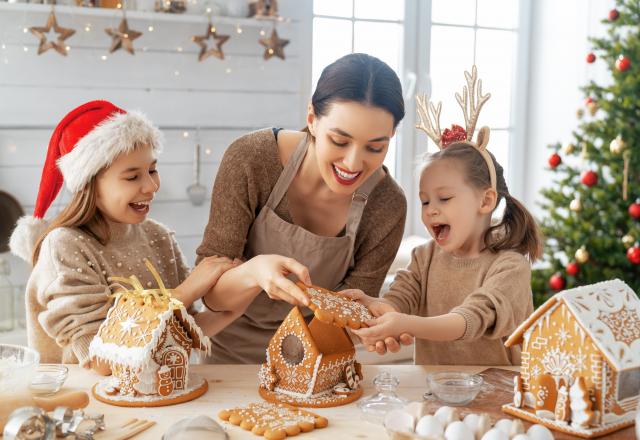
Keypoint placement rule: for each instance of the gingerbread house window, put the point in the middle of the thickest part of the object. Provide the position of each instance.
(628, 383)
(292, 350)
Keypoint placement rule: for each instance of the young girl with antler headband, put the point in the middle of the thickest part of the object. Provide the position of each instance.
(467, 289)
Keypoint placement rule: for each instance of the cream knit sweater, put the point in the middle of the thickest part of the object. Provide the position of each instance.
(67, 295)
(492, 292)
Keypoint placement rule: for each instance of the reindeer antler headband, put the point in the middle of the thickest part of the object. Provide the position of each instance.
(471, 102)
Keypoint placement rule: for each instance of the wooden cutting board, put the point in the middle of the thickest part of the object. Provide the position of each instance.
(498, 390)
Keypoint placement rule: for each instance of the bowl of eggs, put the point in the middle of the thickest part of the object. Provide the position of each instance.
(414, 423)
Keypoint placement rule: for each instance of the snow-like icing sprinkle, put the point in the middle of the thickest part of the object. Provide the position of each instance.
(343, 307)
(273, 415)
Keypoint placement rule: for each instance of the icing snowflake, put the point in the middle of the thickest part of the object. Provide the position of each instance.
(536, 371)
(623, 324)
(128, 325)
(562, 335)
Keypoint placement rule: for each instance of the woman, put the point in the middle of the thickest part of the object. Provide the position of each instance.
(317, 204)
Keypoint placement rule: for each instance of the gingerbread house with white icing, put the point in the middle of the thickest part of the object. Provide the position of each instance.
(310, 365)
(147, 339)
(580, 370)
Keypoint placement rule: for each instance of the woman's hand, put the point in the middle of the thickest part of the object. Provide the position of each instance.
(100, 367)
(270, 273)
(202, 278)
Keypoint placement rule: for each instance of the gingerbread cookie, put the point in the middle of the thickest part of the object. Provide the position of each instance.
(333, 308)
(274, 421)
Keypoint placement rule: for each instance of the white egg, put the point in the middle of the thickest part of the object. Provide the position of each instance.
(539, 432)
(517, 427)
(447, 415)
(399, 420)
(504, 425)
(471, 420)
(495, 434)
(429, 426)
(458, 431)
(521, 437)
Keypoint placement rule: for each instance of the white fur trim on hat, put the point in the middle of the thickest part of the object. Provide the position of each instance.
(23, 238)
(120, 133)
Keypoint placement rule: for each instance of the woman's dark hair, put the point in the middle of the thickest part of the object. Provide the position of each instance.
(361, 78)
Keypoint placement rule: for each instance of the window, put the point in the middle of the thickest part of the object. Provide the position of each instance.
(629, 383)
(374, 27)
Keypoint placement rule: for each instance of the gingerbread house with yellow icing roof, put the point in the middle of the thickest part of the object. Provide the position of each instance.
(580, 370)
(310, 365)
(147, 339)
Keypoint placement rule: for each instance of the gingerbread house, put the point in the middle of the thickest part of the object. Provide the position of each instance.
(310, 365)
(147, 339)
(580, 370)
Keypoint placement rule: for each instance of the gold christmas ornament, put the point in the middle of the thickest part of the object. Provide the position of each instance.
(575, 205)
(273, 46)
(63, 33)
(582, 255)
(618, 145)
(628, 240)
(219, 40)
(579, 113)
(122, 37)
(569, 148)
(593, 108)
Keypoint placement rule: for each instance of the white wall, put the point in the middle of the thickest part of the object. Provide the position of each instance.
(558, 48)
(37, 91)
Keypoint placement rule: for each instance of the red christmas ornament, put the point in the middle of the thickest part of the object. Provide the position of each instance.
(588, 101)
(556, 282)
(554, 160)
(589, 178)
(591, 58)
(634, 209)
(613, 15)
(633, 254)
(623, 63)
(573, 268)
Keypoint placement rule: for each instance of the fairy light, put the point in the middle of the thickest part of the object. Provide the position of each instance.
(179, 49)
(207, 151)
(228, 70)
(68, 48)
(238, 29)
(25, 30)
(150, 28)
(25, 48)
(185, 134)
(4, 46)
(87, 27)
(119, 6)
(12, 148)
(262, 33)
(176, 73)
(103, 58)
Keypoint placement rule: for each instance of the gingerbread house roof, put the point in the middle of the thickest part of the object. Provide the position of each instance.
(133, 329)
(609, 312)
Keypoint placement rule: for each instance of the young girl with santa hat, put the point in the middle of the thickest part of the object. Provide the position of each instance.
(106, 156)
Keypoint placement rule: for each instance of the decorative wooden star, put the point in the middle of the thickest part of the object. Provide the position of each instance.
(201, 40)
(122, 37)
(63, 33)
(273, 45)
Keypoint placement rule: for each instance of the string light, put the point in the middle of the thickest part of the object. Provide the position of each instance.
(262, 33)
(228, 70)
(68, 48)
(25, 30)
(179, 49)
(103, 58)
(150, 28)
(87, 27)
(185, 134)
(26, 49)
(176, 73)
(207, 151)
(4, 46)
(238, 29)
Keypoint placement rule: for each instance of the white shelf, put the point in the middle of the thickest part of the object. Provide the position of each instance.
(142, 15)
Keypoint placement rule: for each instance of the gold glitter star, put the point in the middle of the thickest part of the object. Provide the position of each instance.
(201, 40)
(122, 37)
(63, 33)
(273, 45)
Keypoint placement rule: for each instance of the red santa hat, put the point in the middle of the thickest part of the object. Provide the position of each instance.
(88, 139)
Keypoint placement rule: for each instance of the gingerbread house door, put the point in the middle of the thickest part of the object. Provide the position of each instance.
(176, 359)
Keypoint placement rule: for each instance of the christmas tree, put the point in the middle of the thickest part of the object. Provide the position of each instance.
(592, 211)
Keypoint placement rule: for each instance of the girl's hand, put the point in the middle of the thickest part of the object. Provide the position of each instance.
(202, 278)
(384, 332)
(270, 273)
(376, 306)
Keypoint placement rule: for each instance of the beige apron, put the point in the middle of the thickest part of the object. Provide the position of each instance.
(327, 258)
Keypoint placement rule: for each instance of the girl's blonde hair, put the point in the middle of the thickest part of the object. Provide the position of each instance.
(81, 212)
(518, 229)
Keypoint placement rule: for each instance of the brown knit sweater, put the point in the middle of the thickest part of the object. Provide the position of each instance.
(67, 294)
(247, 174)
(492, 292)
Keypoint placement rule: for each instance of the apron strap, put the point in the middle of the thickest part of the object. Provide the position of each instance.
(288, 173)
(359, 201)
